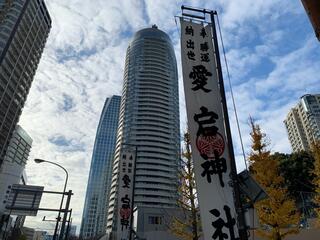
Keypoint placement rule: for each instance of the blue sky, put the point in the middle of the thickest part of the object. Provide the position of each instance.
(273, 59)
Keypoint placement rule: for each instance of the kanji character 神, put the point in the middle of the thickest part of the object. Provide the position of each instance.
(216, 166)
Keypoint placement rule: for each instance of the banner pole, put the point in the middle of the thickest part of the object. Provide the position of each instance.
(239, 209)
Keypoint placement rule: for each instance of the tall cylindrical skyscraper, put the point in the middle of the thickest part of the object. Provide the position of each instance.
(149, 120)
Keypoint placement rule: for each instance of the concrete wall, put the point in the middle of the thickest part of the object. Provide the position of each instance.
(147, 229)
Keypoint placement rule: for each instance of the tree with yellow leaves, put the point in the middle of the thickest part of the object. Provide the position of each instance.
(278, 216)
(316, 181)
(187, 226)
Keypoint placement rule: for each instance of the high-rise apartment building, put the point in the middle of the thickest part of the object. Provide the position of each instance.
(303, 122)
(24, 28)
(96, 202)
(149, 120)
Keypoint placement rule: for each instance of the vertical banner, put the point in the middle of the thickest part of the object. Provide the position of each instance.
(125, 193)
(207, 132)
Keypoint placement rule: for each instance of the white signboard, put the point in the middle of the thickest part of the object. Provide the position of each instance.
(24, 200)
(207, 131)
(125, 193)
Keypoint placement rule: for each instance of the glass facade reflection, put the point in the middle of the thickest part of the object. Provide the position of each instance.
(96, 201)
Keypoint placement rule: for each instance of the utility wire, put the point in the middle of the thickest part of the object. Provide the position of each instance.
(231, 91)
(235, 109)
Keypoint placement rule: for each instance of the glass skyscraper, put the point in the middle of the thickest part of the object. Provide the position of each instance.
(149, 119)
(96, 201)
(24, 28)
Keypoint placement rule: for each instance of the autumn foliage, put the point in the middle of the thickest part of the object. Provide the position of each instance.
(187, 226)
(278, 216)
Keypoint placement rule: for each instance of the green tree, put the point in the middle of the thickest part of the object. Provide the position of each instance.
(187, 226)
(316, 181)
(297, 170)
(277, 214)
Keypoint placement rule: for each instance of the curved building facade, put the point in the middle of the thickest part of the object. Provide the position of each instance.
(149, 119)
(96, 202)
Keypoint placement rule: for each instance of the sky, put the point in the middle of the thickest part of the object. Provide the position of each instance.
(271, 51)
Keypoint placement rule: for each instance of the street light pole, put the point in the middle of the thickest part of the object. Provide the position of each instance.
(69, 225)
(65, 214)
(37, 160)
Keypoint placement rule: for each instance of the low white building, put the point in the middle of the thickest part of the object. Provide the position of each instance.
(12, 172)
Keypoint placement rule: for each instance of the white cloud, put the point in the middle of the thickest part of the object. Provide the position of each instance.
(294, 71)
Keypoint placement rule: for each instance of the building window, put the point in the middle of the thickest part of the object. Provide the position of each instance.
(156, 220)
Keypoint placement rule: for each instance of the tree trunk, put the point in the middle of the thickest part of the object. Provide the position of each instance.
(194, 216)
(276, 233)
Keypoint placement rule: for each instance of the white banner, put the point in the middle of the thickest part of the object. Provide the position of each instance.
(207, 132)
(125, 192)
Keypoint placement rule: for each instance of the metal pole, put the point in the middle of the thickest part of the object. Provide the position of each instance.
(68, 227)
(239, 209)
(64, 220)
(61, 203)
(64, 190)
